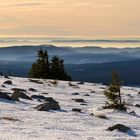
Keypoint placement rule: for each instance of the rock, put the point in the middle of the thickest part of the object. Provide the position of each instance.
(102, 88)
(133, 112)
(9, 82)
(39, 97)
(6, 76)
(32, 89)
(101, 116)
(21, 93)
(48, 106)
(3, 86)
(75, 93)
(92, 92)
(83, 104)
(79, 100)
(45, 93)
(24, 96)
(35, 81)
(80, 83)
(15, 96)
(119, 127)
(19, 89)
(76, 110)
(4, 95)
(86, 95)
(50, 99)
(70, 84)
(91, 114)
(39, 100)
(137, 105)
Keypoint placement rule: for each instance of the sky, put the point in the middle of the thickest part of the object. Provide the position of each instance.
(75, 18)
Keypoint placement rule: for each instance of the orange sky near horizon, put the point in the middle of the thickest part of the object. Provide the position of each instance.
(85, 18)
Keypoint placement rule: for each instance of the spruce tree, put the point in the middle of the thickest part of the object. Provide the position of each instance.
(40, 69)
(45, 70)
(113, 94)
(57, 69)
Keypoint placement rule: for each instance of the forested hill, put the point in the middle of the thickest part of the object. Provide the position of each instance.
(129, 71)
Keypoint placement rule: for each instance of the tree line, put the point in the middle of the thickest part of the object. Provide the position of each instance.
(44, 69)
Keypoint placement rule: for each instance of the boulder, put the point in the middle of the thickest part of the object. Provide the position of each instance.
(32, 89)
(21, 93)
(81, 83)
(35, 81)
(133, 112)
(4, 95)
(19, 89)
(137, 105)
(3, 86)
(76, 93)
(45, 93)
(48, 106)
(92, 92)
(76, 110)
(119, 127)
(39, 97)
(79, 100)
(91, 114)
(24, 96)
(101, 116)
(6, 76)
(83, 104)
(15, 96)
(50, 99)
(9, 82)
(86, 95)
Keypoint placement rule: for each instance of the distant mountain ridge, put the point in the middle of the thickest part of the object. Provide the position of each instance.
(77, 55)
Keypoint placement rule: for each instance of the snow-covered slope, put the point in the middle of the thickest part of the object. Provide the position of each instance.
(65, 124)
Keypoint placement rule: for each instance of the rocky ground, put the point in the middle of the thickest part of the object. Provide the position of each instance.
(32, 109)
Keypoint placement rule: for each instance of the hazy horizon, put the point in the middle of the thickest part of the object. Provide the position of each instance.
(71, 42)
(87, 19)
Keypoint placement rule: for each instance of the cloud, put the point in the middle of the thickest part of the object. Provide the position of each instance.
(104, 5)
(19, 4)
(27, 4)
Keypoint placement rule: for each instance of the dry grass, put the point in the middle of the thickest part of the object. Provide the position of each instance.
(9, 119)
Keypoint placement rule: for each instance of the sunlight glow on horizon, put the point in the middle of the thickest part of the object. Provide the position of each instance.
(75, 18)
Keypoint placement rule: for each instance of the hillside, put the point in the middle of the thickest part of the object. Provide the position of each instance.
(129, 71)
(19, 120)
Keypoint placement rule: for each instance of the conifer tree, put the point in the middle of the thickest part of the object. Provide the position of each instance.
(40, 68)
(113, 94)
(57, 69)
(45, 70)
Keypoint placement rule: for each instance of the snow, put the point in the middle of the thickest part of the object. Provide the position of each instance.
(65, 124)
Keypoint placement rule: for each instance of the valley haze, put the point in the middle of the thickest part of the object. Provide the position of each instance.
(89, 63)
